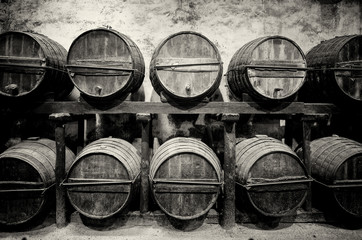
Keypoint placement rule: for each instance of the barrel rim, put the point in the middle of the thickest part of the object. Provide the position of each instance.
(261, 40)
(336, 52)
(122, 206)
(76, 161)
(43, 197)
(80, 156)
(285, 213)
(121, 36)
(42, 77)
(268, 151)
(335, 191)
(167, 90)
(218, 174)
(258, 42)
(189, 141)
(264, 39)
(209, 206)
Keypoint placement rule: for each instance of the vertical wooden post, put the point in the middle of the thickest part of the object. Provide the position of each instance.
(306, 153)
(228, 212)
(288, 134)
(145, 161)
(60, 207)
(81, 130)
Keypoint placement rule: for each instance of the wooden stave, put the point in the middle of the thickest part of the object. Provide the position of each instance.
(55, 56)
(40, 154)
(322, 57)
(342, 151)
(238, 81)
(136, 78)
(95, 148)
(249, 152)
(184, 143)
(160, 88)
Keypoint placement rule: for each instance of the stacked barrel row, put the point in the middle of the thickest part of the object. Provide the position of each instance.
(105, 66)
(185, 175)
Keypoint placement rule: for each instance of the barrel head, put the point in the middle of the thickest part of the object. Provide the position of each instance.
(101, 62)
(186, 66)
(22, 63)
(21, 204)
(183, 198)
(98, 201)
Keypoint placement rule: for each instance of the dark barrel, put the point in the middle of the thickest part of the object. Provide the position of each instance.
(270, 176)
(102, 179)
(27, 172)
(185, 67)
(32, 64)
(337, 165)
(105, 65)
(267, 68)
(185, 177)
(337, 69)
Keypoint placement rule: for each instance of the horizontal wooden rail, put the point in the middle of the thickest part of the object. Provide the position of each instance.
(78, 108)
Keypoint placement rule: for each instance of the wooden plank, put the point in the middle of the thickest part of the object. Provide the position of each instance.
(228, 214)
(145, 161)
(185, 188)
(61, 220)
(166, 108)
(79, 108)
(307, 161)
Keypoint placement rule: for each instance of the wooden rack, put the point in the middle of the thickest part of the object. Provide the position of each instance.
(63, 112)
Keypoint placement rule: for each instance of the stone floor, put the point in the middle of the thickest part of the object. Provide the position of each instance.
(150, 227)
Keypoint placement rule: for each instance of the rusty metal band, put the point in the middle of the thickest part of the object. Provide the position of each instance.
(187, 65)
(335, 186)
(97, 182)
(42, 190)
(180, 181)
(252, 185)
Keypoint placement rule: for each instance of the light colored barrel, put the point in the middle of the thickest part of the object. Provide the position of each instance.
(185, 177)
(267, 68)
(102, 179)
(273, 176)
(105, 65)
(27, 171)
(186, 66)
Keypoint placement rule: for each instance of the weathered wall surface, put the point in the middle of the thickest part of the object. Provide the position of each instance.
(229, 24)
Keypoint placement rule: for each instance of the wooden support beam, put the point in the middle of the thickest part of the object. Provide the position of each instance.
(307, 125)
(81, 131)
(145, 120)
(60, 193)
(228, 211)
(288, 134)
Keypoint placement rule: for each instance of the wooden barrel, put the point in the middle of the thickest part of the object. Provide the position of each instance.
(101, 181)
(271, 175)
(105, 65)
(185, 177)
(185, 67)
(31, 64)
(337, 69)
(267, 68)
(27, 172)
(337, 164)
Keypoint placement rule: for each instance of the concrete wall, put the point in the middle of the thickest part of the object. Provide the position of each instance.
(229, 24)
